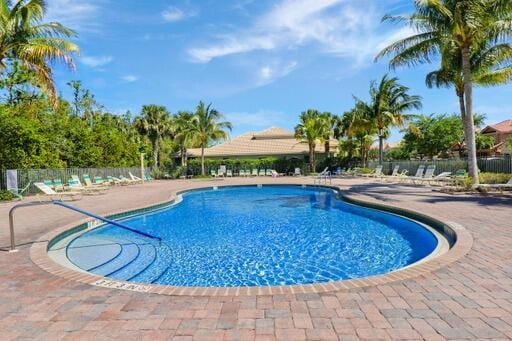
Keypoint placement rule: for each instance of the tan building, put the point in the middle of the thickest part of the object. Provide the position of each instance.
(500, 132)
(273, 141)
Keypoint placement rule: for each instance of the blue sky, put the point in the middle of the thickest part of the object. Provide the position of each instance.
(259, 62)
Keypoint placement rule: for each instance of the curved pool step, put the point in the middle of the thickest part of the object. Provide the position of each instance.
(145, 258)
(155, 270)
(105, 250)
(129, 252)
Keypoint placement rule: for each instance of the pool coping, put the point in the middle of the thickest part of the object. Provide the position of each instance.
(461, 243)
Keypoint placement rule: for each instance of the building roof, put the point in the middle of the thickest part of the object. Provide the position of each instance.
(271, 141)
(502, 127)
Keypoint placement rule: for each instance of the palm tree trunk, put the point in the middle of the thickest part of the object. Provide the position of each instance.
(462, 106)
(381, 149)
(156, 151)
(312, 147)
(470, 125)
(202, 161)
(350, 147)
(327, 148)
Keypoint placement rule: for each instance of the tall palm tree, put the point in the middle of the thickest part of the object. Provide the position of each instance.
(207, 127)
(491, 65)
(155, 123)
(311, 129)
(389, 102)
(24, 37)
(350, 122)
(183, 122)
(330, 122)
(443, 26)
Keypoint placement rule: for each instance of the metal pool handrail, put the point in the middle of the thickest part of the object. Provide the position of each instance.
(70, 207)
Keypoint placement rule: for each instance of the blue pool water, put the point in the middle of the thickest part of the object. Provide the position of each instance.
(251, 236)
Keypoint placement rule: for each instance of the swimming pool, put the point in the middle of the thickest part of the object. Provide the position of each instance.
(254, 236)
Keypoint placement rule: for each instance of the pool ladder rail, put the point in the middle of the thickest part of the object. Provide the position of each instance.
(60, 203)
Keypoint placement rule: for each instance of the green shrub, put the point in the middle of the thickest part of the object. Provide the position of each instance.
(5, 195)
(494, 178)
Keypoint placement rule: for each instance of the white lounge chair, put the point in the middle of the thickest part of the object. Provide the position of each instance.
(274, 173)
(220, 173)
(134, 178)
(49, 192)
(323, 175)
(377, 173)
(419, 173)
(297, 172)
(442, 178)
(229, 173)
(396, 175)
(499, 187)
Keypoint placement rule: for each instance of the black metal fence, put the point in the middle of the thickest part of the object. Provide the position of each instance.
(26, 176)
(490, 165)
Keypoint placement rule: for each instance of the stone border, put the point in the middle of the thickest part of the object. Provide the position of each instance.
(461, 244)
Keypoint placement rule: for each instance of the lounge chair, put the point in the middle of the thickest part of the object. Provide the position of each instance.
(427, 176)
(18, 192)
(324, 175)
(127, 180)
(75, 185)
(212, 173)
(241, 172)
(297, 172)
(261, 172)
(396, 175)
(499, 187)
(58, 186)
(418, 175)
(376, 173)
(134, 178)
(49, 192)
(229, 173)
(220, 172)
(90, 184)
(442, 178)
(269, 172)
(274, 173)
(254, 172)
(117, 181)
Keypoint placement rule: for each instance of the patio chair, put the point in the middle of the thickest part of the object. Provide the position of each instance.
(74, 184)
(297, 172)
(18, 192)
(49, 192)
(261, 172)
(376, 173)
(254, 172)
(442, 178)
(396, 175)
(269, 172)
(323, 175)
(229, 173)
(134, 178)
(58, 186)
(274, 173)
(241, 172)
(212, 173)
(429, 175)
(220, 172)
(419, 173)
(499, 187)
(90, 184)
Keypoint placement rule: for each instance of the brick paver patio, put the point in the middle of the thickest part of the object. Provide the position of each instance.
(468, 299)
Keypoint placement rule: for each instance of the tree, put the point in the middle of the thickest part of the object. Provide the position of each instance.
(453, 28)
(432, 135)
(183, 122)
(207, 127)
(155, 123)
(389, 102)
(311, 129)
(24, 37)
(330, 122)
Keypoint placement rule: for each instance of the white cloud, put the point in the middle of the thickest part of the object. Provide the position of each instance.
(77, 14)
(96, 61)
(130, 78)
(174, 14)
(270, 72)
(340, 27)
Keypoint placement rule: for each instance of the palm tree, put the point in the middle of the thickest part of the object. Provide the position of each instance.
(311, 129)
(24, 37)
(330, 124)
(387, 108)
(491, 65)
(183, 122)
(457, 28)
(155, 123)
(207, 128)
(349, 124)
